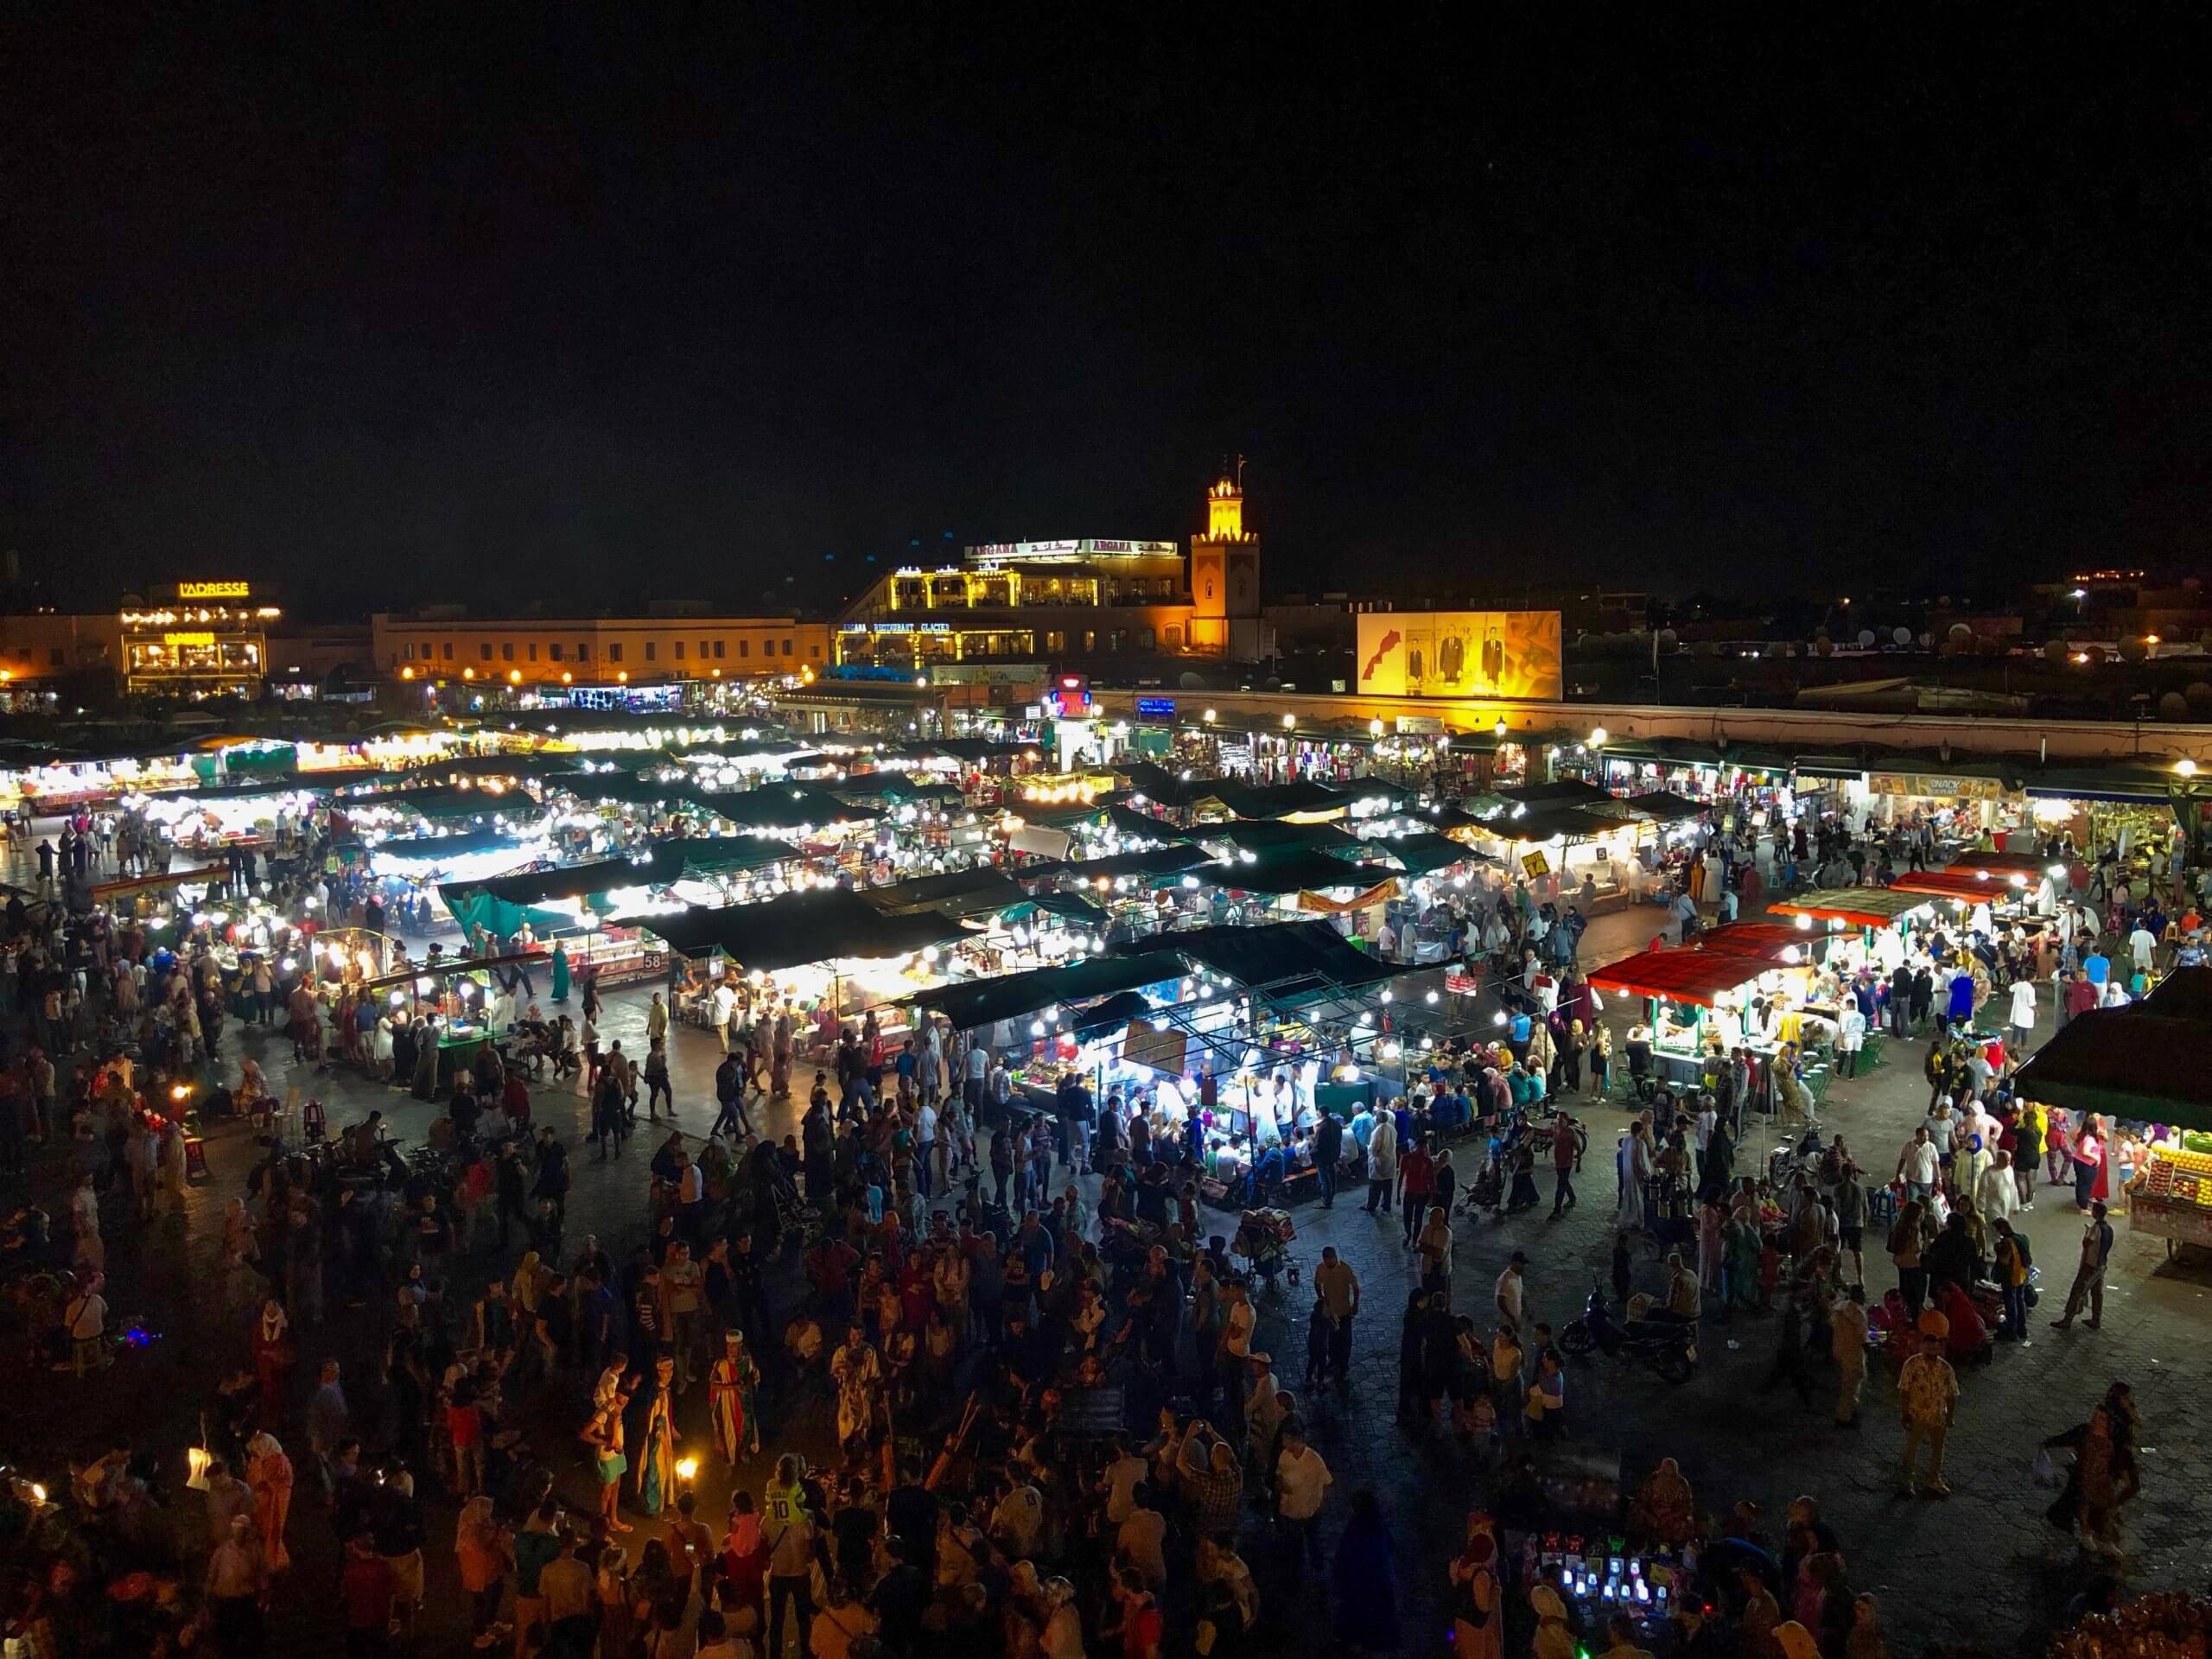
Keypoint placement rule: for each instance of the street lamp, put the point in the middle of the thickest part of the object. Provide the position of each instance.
(2185, 766)
(1498, 727)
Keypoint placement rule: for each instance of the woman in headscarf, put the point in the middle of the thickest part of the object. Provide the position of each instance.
(269, 1471)
(273, 1357)
(1716, 1165)
(560, 971)
(1477, 1615)
(656, 1442)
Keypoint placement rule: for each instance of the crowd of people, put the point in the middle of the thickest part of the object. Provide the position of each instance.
(961, 1308)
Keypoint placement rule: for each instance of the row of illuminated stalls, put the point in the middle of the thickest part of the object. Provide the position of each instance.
(1763, 988)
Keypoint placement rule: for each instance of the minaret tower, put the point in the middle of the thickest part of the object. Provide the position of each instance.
(1225, 573)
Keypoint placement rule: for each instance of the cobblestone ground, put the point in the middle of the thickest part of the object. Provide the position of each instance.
(1982, 1563)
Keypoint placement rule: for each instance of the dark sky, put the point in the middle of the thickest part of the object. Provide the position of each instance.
(663, 300)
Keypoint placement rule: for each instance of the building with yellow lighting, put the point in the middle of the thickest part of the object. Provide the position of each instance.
(1068, 602)
(210, 638)
(448, 643)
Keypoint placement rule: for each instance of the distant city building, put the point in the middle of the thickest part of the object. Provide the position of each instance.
(535, 652)
(1068, 601)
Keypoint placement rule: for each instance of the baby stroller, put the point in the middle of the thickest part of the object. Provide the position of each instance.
(795, 1216)
(532, 1045)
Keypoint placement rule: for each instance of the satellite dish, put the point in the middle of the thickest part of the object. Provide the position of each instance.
(1927, 640)
(1865, 638)
(1192, 683)
(1903, 636)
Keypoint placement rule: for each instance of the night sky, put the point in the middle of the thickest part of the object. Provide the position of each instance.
(584, 304)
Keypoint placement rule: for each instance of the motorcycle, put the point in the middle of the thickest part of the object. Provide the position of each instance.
(1668, 1346)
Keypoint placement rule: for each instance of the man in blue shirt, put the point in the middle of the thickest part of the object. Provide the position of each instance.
(2098, 967)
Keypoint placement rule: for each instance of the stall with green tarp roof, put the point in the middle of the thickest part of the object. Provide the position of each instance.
(798, 928)
(783, 806)
(1424, 851)
(980, 892)
(477, 909)
(1266, 835)
(1132, 823)
(438, 801)
(627, 789)
(971, 1003)
(1158, 863)
(1298, 869)
(2135, 1062)
(1297, 958)
(1270, 800)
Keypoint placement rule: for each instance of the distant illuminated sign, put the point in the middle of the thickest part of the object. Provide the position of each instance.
(896, 627)
(1156, 707)
(188, 639)
(1018, 552)
(214, 590)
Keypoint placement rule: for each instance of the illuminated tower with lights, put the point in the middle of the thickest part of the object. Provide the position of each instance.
(1225, 573)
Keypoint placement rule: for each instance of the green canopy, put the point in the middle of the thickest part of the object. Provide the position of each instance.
(973, 1002)
(726, 854)
(1423, 850)
(1073, 906)
(2131, 1061)
(1265, 834)
(474, 909)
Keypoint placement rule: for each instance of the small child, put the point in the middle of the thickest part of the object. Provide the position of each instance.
(1317, 1329)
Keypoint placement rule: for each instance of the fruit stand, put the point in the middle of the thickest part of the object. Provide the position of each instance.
(2171, 1198)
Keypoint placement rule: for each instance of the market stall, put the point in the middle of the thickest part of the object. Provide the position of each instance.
(831, 953)
(1704, 1004)
(1981, 899)
(2141, 1067)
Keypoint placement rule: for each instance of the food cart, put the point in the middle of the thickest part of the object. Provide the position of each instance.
(1878, 914)
(1701, 1004)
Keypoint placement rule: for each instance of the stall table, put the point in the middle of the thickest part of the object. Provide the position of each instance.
(2172, 1199)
